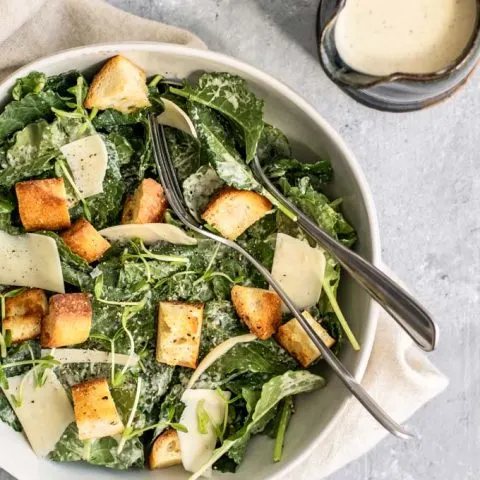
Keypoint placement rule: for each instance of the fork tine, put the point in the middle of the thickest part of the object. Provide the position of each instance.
(168, 175)
(158, 156)
(162, 161)
(169, 163)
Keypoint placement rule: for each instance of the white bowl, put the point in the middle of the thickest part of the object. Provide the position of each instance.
(311, 137)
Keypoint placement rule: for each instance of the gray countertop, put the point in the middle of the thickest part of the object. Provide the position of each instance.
(424, 172)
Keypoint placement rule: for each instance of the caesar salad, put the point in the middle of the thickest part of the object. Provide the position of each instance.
(127, 341)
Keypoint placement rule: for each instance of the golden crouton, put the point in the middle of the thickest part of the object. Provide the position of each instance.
(68, 321)
(232, 211)
(120, 84)
(147, 205)
(32, 302)
(95, 411)
(178, 334)
(43, 204)
(23, 314)
(84, 240)
(293, 338)
(165, 451)
(260, 310)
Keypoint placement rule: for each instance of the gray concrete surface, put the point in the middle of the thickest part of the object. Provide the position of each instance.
(424, 171)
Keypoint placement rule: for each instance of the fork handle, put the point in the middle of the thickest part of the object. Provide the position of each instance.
(404, 309)
(401, 306)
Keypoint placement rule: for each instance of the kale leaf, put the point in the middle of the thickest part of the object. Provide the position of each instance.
(109, 120)
(33, 106)
(199, 187)
(318, 207)
(273, 145)
(229, 95)
(319, 173)
(184, 151)
(29, 155)
(122, 146)
(7, 206)
(220, 322)
(34, 82)
(103, 452)
(259, 356)
(63, 82)
(7, 414)
(220, 151)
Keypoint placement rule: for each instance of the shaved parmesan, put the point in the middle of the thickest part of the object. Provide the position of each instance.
(45, 411)
(78, 355)
(173, 116)
(87, 159)
(150, 233)
(216, 353)
(30, 260)
(196, 447)
(299, 269)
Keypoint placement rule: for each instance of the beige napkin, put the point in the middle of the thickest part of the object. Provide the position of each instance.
(30, 29)
(399, 376)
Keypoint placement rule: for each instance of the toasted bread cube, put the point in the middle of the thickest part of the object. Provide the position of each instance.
(165, 451)
(26, 327)
(147, 205)
(259, 309)
(43, 204)
(68, 321)
(232, 211)
(95, 411)
(85, 241)
(120, 84)
(293, 338)
(30, 302)
(23, 314)
(178, 333)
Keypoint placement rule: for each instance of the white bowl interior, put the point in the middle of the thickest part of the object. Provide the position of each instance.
(311, 138)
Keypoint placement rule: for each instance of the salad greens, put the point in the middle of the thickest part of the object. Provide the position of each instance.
(229, 95)
(290, 383)
(128, 282)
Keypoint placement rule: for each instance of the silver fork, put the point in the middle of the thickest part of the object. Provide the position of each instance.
(403, 308)
(173, 191)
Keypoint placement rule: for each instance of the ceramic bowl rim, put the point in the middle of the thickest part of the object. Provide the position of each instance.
(285, 91)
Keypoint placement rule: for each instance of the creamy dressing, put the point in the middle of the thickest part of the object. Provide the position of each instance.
(381, 37)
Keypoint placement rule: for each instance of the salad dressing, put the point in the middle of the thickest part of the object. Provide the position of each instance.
(381, 37)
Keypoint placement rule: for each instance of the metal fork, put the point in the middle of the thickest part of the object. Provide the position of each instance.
(173, 191)
(403, 308)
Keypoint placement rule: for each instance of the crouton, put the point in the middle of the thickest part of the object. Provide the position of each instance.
(32, 301)
(260, 310)
(178, 334)
(23, 314)
(95, 412)
(232, 211)
(68, 321)
(293, 338)
(26, 327)
(165, 451)
(85, 241)
(43, 204)
(147, 205)
(120, 84)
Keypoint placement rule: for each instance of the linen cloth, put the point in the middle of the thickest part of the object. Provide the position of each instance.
(399, 376)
